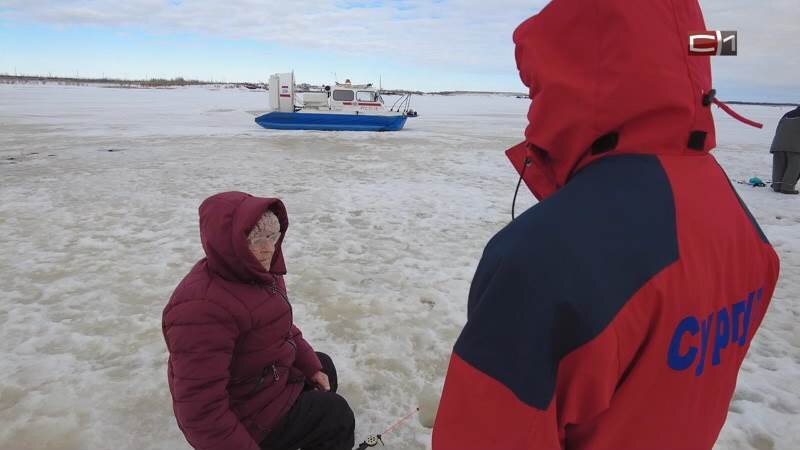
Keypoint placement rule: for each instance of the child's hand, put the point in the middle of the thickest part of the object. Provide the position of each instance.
(321, 380)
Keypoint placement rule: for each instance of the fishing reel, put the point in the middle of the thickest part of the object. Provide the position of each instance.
(371, 441)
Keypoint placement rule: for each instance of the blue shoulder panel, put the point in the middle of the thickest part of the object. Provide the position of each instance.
(554, 279)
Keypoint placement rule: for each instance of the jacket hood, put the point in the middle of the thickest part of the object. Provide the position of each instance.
(225, 221)
(609, 77)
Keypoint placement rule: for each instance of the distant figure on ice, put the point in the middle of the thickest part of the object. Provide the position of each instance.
(241, 375)
(615, 313)
(786, 153)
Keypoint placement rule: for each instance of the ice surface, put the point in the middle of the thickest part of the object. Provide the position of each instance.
(99, 189)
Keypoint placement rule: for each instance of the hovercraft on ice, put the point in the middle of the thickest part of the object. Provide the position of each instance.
(343, 107)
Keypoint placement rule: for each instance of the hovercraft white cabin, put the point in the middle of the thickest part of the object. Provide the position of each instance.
(343, 107)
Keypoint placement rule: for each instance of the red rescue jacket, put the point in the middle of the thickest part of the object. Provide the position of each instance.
(615, 313)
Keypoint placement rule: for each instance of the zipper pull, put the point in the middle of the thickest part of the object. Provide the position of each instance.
(275, 375)
(260, 381)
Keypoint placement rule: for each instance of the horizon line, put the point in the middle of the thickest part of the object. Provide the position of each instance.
(180, 81)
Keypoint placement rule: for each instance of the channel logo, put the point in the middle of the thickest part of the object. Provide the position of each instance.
(713, 43)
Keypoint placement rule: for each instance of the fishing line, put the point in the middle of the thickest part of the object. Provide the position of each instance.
(373, 439)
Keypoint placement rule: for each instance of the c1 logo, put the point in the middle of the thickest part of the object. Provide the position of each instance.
(713, 43)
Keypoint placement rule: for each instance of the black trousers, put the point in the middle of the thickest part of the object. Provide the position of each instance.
(318, 420)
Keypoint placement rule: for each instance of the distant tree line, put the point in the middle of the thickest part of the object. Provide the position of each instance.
(301, 87)
(152, 82)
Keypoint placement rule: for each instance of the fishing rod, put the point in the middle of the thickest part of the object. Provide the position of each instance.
(373, 439)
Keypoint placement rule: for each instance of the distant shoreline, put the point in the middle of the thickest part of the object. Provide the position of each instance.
(181, 82)
(153, 82)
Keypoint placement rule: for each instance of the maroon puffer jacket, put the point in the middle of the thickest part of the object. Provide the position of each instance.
(237, 363)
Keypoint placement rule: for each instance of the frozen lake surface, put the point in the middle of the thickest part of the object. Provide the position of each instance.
(99, 189)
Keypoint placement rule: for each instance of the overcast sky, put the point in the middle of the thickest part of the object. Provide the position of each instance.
(412, 44)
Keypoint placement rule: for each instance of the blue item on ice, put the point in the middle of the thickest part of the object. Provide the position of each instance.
(757, 182)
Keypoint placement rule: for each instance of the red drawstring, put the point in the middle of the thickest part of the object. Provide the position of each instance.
(736, 115)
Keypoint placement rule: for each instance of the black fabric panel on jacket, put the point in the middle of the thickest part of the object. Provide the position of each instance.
(605, 143)
(556, 277)
(697, 140)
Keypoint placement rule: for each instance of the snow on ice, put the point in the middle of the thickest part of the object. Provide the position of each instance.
(98, 218)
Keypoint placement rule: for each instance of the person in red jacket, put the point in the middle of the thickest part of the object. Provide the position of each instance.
(615, 313)
(240, 373)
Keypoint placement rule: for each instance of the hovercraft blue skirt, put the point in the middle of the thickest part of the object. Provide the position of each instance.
(330, 122)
